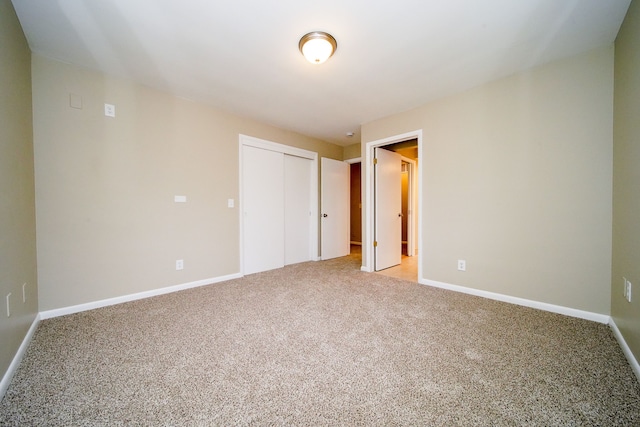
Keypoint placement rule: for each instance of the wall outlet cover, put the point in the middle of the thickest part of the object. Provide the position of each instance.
(109, 110)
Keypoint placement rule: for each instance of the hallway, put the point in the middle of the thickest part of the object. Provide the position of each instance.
(407, 270)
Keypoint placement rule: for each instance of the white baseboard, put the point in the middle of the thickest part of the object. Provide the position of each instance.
(6, 379)
(601, 318)
(625, 349)
(132, 297)
(596, 317)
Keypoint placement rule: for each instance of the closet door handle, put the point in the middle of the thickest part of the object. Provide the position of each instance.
(324, 215)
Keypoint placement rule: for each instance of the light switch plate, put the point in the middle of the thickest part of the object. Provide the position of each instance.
(109, 110)
(180, 199)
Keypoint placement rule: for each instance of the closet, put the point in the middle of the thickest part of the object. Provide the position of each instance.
(279, 205)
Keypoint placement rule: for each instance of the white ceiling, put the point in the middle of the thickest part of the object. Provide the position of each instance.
(242, 55)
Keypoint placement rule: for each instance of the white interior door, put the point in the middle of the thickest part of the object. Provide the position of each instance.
(297, 211)
(388, 209)
(335, 215)
(263, 209)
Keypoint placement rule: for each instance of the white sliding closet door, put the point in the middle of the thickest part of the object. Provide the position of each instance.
(297, 209)
(263, 209)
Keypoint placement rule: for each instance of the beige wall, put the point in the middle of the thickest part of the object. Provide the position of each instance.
(517, 178)
(626, 180)
(107, 222)
(351, 151)
(17, 209)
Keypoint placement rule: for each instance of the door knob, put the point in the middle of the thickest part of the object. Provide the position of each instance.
(324, 215)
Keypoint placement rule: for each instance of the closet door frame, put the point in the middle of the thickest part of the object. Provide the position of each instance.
(245, 140)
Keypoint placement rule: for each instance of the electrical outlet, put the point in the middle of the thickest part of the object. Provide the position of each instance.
(628, 287)
(462, 265)
(179, 264)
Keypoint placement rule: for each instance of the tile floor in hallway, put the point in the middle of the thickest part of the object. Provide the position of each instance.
(407, 270)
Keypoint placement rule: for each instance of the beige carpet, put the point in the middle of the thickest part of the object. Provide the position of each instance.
(321, 344)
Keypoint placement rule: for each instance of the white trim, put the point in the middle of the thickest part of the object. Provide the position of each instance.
(240, 206)
(11, 370)
(354, 160)
(567, 311)
(279, 148)
(635, 367)
(367, 243)
(245, 140)
(133, 297)
(8, 376)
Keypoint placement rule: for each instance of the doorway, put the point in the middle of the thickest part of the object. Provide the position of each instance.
(407, 269)
(409, 145)
(335, 208)
(394, 210)
(355, 204)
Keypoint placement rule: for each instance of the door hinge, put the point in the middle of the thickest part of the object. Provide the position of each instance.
(375, 244)
(375, 161)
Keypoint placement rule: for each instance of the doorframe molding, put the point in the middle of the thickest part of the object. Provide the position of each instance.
(246, 140)
(369, 225)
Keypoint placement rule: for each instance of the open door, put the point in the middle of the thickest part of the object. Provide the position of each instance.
(388, 209)
(335, 216)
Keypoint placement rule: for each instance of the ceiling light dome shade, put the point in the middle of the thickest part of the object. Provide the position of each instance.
(317, 46)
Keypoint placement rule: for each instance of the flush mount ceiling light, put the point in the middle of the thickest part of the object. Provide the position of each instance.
(317, 46)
